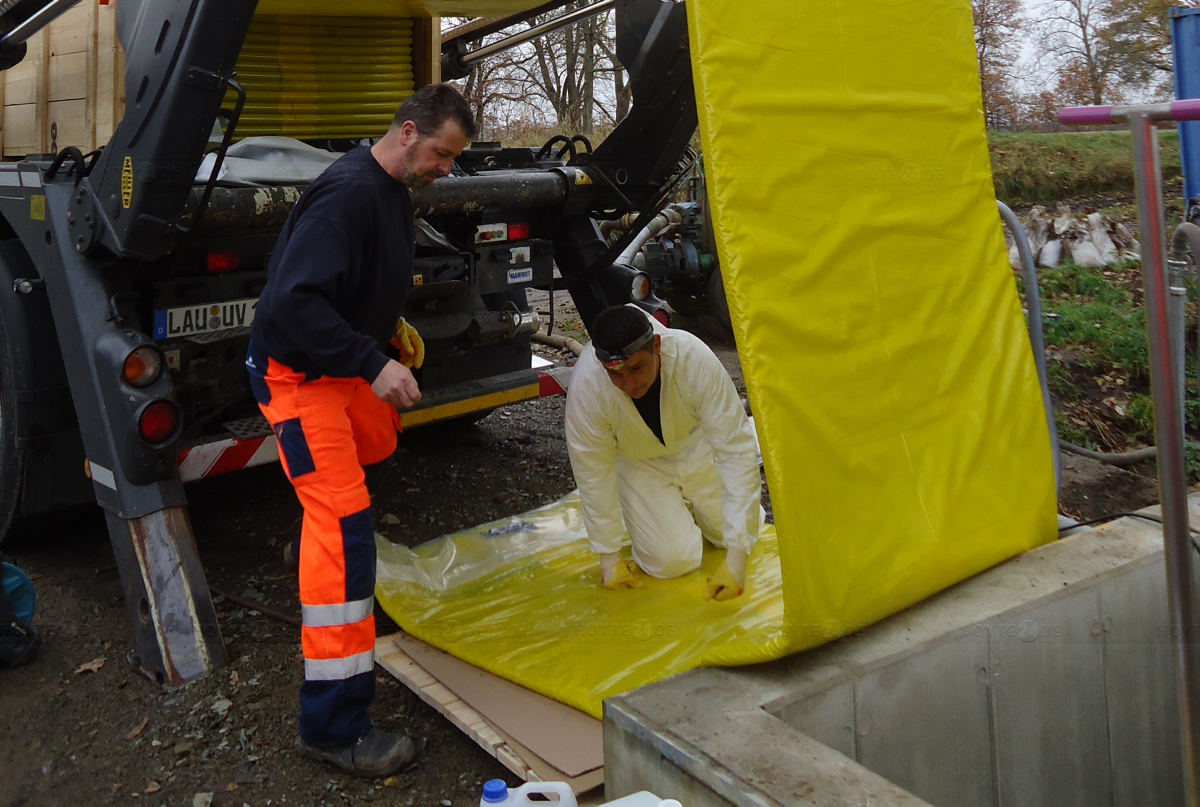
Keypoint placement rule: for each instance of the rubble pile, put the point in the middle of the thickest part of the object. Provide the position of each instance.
(1092, 241)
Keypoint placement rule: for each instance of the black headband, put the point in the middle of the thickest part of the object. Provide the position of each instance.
(615, 360)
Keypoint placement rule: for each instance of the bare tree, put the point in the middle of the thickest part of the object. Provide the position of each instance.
(1071, 31)
(569, 75)
(998, 28)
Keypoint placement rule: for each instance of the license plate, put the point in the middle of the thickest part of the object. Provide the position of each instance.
(194, 320)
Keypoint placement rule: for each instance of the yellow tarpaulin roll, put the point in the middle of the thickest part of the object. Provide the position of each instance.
(521, 598)
(876, 315)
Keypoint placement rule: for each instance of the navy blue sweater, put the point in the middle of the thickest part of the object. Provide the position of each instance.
(337, 277)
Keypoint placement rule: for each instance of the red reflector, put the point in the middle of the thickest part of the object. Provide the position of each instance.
(662, 316)
(219, 262)
(518, 231)
(158, 421)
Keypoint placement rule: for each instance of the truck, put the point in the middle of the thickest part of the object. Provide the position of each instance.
(128, 275)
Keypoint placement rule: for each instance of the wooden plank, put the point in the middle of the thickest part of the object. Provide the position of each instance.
(566, 738)
(71, 31)
(110, 75)
(41, 96)
(542, 771)
(20, 130)
(512, 760)
(462, 716)
(90, 76)
(400, 665)
(509, 752)
(68, 76)
(20, 82)
(67, 125)
(441, 696)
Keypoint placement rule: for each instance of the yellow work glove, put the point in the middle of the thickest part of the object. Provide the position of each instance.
(616, 573)
(409, 343)
(729, 580)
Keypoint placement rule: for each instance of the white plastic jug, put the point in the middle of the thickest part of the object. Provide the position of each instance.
(643, 798)
(498, 794)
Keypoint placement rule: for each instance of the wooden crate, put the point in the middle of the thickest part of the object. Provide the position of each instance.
(69, 90)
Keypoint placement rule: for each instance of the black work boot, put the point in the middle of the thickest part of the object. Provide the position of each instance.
(375, 754)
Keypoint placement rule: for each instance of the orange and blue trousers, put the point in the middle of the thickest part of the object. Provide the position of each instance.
(328, 430)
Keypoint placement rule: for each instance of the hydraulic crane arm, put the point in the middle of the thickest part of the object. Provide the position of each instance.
(21, 19)
(179, 62)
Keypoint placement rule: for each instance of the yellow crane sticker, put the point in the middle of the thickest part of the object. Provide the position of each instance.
(37, 207)
(127, 182)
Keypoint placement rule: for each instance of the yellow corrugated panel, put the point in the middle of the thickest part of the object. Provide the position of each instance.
(398, 8)
(314, 77)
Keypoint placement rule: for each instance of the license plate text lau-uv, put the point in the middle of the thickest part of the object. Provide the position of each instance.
(210, 318)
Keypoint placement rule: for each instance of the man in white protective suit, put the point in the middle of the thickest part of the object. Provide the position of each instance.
(654, 424)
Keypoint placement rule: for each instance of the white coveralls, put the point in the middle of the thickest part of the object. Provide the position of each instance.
(709, 459)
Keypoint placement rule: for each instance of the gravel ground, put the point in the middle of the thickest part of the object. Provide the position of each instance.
(80, 726)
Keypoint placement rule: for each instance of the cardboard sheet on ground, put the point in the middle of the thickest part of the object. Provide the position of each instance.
(876, 316)
(521, 598)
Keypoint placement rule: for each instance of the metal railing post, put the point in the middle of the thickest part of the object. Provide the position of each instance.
(1168, 424)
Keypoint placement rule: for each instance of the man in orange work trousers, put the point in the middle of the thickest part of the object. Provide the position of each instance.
(332, 302)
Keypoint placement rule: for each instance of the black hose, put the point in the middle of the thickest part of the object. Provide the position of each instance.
(1120, 460)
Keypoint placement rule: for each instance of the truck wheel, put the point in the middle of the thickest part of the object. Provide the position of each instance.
(10, 457)
(716, 299)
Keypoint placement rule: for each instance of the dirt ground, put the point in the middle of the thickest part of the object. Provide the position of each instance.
(80, 726)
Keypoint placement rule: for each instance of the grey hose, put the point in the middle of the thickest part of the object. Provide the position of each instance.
(1120, 460)
(559, 341)
(1187, 238)
(1034, 325)
(667, 217)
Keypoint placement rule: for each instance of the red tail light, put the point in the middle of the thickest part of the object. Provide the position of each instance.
(221, 262)
(662, 316)
(158, 421)
(518, 231)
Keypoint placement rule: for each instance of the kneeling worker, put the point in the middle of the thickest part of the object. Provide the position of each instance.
(654, 423)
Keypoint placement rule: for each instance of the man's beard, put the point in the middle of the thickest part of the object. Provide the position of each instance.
(414, 181)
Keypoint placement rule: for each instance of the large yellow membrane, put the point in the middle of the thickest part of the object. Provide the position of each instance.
(884, 351)
(876, 316)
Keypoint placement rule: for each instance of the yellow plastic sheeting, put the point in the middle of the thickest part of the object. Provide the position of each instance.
(398, 8)
(875, 313)
(521, 598)
(323, 77)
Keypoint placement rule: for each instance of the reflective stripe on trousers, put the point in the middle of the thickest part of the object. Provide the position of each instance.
(328, 429)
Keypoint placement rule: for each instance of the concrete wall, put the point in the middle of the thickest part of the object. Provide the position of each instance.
(1046, 680)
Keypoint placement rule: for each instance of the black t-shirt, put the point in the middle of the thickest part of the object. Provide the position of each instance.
(336, 281)
(649, 408)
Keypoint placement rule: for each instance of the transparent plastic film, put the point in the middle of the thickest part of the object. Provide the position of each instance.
(876, 316)
(521, 598)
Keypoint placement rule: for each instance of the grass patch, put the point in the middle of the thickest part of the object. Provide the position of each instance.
(1095, 315)
(1030, 168)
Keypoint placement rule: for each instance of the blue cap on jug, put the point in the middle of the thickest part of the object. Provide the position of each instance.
(495, 791)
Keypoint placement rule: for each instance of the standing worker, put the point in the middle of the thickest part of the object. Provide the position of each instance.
(653, 423)
(332, 302)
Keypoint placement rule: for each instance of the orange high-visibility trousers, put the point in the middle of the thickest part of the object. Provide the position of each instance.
(328, 429)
